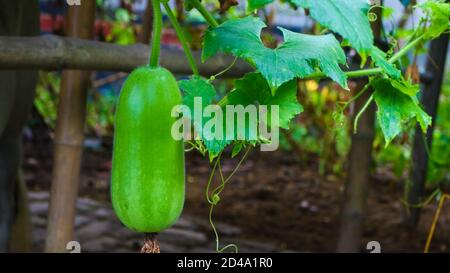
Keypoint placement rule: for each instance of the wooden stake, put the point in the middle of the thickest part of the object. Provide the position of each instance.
(357, 186)
(69, 137)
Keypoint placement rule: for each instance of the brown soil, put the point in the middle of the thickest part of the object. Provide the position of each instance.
(271, 198)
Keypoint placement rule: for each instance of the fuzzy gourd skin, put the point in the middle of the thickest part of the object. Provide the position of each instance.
(148, 176)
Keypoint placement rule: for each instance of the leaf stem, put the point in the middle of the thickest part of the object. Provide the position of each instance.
(363, 72)
(371, 71)
(225, 70)
(181, 37)
(405, 49)
(350, 74)
(204, 12)
(223, 101)
(156, 34)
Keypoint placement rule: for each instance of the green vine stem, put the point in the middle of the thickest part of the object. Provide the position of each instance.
(213, 198)
(355, 97)
(372, 71)
(204, 12)
(350, 74)
(208, 185)
(212, 78)
(156, 34)
(221, 187)
(181, 37)
(406, 49)
(363, 109)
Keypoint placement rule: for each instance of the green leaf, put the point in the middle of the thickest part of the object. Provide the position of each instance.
(395, 108)
(406, 87)
(379, 57)
(256, 4)
(200, 88)
(253, 89)
(349, 18)
(299, 55)
(237, 148)
(439, 12)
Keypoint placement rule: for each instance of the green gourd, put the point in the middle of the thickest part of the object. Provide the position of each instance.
(148, 176)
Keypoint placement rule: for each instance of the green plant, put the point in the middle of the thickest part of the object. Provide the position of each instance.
(46, 101)
(100, 113)
(300, 56)
(100, 107)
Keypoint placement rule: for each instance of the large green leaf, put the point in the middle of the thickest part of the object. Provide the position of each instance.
(395, 108)
(253, 89)
(197, 87)
(256, 4)
(439, 13)
(346, 17)
(299, 55)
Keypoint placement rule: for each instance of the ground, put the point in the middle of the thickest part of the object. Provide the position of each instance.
(271, 204)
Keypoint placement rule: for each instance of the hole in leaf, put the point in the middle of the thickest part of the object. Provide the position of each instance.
(271, 37)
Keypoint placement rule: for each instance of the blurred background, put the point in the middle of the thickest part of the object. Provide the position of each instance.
(287, 200)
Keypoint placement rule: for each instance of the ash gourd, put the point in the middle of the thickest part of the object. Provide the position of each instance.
(148, 173)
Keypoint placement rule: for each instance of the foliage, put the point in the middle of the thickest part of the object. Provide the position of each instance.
(398, 154)
(346, 17)
(438, 17)
(396, 107)
(251, 89)
(46, 101)
(304, 56)
(296, 57)
(322, 133)
(100, 107)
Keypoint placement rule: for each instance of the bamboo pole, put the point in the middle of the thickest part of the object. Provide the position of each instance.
(69, 137)
(50, 52)
(147, 24)
(415, 188)
(354, 208)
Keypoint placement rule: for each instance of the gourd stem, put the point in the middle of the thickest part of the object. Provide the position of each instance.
(181, 37)
(204, 12)
(150, 244)
(156, 34)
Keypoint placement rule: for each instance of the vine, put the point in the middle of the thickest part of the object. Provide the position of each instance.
(213, 197)
(156, 34)
(181, 37)
(300, 56)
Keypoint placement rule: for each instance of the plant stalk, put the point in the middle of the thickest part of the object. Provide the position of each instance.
(405, 49)
(204, 12)
(181, 37)
(156, 34)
